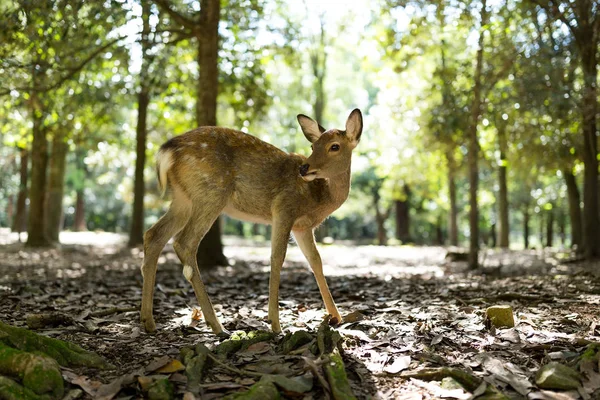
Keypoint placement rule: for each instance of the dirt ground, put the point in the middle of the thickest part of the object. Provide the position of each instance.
(408, 308)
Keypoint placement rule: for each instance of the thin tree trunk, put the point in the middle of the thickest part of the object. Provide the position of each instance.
(550, 228)
(562, 229)
(541, 232)
(79, 224)
(574, 208)
(136, 233)
(590, 153)
(526, 227)
(403, 217)
(10, 209)
(439, 231)
(36, 225)
(19, 222)
(473, 147)
(453, 217)
(503, 192)
(56, 186)
(210, 251)
(380, 220)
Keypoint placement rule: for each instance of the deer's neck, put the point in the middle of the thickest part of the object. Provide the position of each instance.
(338, 188)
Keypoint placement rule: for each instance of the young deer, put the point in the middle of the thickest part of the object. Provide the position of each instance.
(216, 170)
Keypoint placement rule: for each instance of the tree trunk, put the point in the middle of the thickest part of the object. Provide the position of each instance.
(79, 224)
(403, 217)
(526, 227)
(136, 233)
(10, 209)
(318, 59)
(381, 234)
(36, 225)
(473, 147)
(379, 220)
(503, 192)
(56, 186)
(493, 236)
(574, 208)
(19, 222)
(453, 217)
(210, 250)
(550, 228)
(590, 152)
(562, 229)
(541, 215)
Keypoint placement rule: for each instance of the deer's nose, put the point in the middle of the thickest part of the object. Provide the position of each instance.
(304, 169)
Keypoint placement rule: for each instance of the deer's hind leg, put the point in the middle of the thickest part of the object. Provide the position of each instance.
(155, 240)
(186, 244)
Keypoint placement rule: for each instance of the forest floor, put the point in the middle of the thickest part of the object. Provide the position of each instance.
(409, 308)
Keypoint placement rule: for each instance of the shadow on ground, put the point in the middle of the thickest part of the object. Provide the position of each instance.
(408, 308)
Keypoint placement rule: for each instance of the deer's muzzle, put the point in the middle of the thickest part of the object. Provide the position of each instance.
(304, 169)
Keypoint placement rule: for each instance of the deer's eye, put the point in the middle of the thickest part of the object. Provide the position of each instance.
(334, 147)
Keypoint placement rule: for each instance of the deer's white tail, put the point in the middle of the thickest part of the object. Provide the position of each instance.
(164, 161)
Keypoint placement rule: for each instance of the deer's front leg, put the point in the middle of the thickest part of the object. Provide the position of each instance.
(306, 242)
(279, 240)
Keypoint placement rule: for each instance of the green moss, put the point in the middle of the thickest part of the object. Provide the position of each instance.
(38, 373)
(11, 390)
(161, 389)
(338, 380)
(241, 340)
(261, 390)
(65, 353)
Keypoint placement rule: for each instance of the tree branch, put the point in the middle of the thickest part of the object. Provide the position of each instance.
(182, 20)
(71, 72)
(552, 9)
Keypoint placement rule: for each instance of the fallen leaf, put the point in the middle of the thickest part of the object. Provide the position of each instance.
(400, 363)
(172, 366)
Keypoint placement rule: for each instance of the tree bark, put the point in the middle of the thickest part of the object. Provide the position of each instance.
(136, 233)
(453, 217)
(380, 218)
(20, 220)
(403, 217)
(36, 225)
(473, 147)
(550, 228)
(79, 224)
(504, 228)
(318, 60)
(210, 250)
(590, 152)
(10, 209)
(526, 227)
(56, 186)
(541, 232)
(574, 208)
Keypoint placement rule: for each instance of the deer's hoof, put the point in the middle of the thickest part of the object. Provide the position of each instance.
(335, 320)
(149, 325)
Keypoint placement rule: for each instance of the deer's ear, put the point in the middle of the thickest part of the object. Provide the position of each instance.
(311, 129)
(354, 126)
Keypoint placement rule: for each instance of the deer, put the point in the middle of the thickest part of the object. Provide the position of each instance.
(214, 170)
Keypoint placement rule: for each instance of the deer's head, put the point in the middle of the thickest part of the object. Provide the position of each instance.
(331, 149)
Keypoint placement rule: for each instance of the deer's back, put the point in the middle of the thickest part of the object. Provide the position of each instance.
(246, 171)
